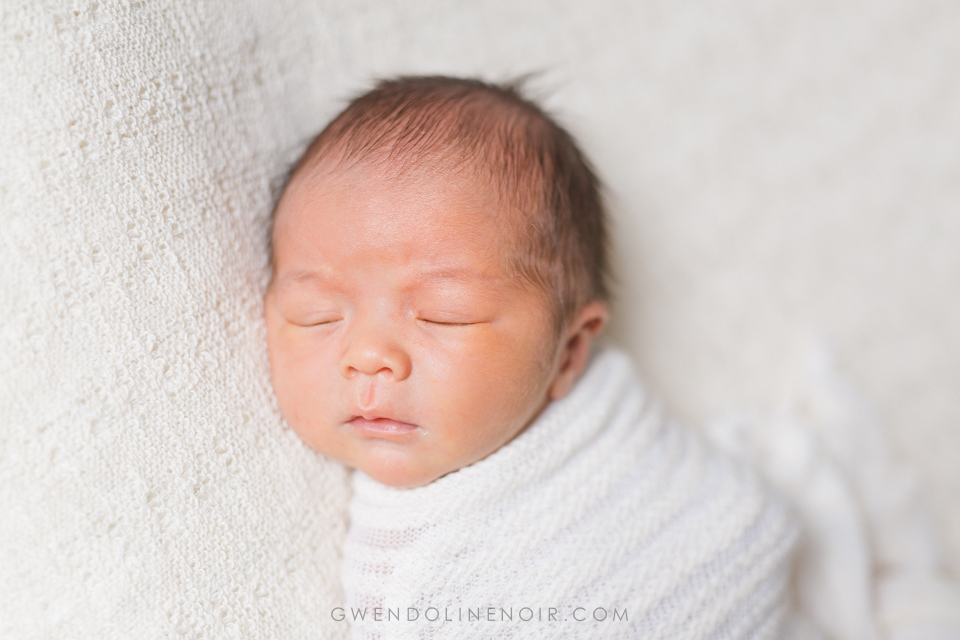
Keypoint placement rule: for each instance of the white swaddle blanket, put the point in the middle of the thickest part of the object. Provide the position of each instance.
(602, 519)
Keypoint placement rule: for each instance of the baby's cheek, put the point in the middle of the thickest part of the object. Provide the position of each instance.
(300, 383)
(514, 371)
(482, 401)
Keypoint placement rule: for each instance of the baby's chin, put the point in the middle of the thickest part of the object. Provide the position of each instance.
(391, 465)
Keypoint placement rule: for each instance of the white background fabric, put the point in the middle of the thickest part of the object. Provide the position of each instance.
(775, 169)
(147, 486)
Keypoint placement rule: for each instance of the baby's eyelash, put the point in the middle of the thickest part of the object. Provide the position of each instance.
(318, 324)
(448, 324)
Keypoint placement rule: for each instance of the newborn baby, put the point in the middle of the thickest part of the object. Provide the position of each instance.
(439, 279)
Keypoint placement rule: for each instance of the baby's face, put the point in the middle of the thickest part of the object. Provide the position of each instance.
(400, 344)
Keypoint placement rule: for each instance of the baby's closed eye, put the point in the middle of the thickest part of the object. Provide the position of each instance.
(317, 321)
(446, 323)
(451, 318)
(309, 316)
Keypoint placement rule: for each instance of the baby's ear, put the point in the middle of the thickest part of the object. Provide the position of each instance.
(575, 348)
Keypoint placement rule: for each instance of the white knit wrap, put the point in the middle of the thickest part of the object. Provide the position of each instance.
(601, 504)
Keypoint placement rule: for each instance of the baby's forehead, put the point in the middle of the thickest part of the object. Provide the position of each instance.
(445, 205)
(416, 230)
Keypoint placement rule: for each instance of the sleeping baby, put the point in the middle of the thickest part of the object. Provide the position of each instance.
(439, 282)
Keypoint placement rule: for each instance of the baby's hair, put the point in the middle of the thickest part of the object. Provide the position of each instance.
(543, 180)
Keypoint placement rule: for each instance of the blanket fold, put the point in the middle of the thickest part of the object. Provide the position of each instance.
(602, 519)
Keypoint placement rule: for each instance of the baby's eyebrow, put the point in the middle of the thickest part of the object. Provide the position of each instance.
(303, 275)
(465, 274)
(433, 275)
(450, 273)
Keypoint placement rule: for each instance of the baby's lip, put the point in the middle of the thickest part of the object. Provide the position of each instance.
(373, 426)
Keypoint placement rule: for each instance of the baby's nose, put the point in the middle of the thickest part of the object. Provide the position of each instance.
(373, 357)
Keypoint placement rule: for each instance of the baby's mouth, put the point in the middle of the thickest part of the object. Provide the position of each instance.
(375, 427)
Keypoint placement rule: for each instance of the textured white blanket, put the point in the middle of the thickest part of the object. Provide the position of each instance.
(602, 519)
(148, 486)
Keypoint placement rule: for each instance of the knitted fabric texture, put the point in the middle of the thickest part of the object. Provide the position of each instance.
(602, 519)
(148, 486)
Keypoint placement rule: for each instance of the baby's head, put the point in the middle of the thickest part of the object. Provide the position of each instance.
(439, 264)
